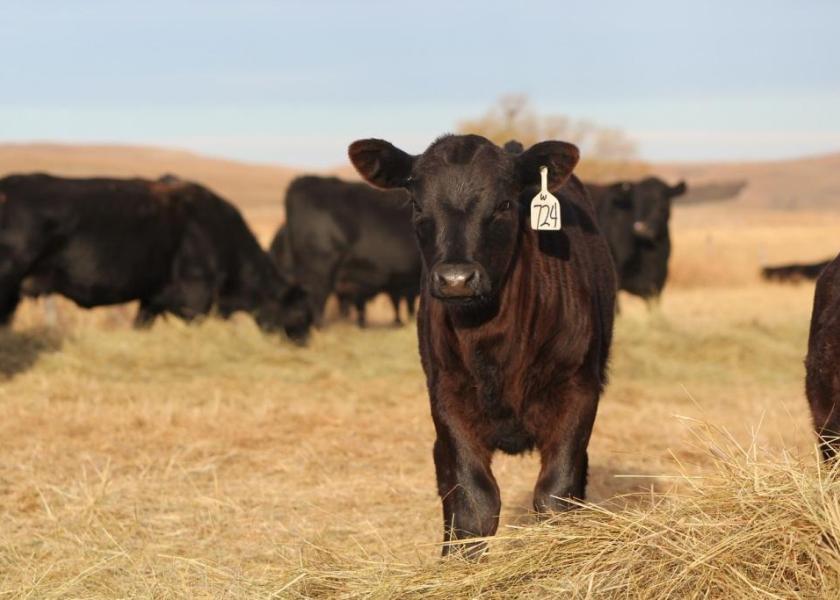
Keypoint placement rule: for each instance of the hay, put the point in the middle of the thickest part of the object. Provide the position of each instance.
(752, 527)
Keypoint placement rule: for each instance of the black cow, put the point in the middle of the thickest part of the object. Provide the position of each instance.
(634, 217)
(822, 383)
(176, 247)
(794, 273)
(351, 239)
(357, 283)
(514, 325)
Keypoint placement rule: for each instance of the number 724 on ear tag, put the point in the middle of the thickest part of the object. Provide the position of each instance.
(545, 208)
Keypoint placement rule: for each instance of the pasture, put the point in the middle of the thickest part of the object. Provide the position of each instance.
(213, 461)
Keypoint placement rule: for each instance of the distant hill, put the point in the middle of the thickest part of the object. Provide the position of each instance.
(802, 184)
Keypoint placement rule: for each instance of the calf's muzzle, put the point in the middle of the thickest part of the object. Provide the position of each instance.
(458, 280)
(643, 230)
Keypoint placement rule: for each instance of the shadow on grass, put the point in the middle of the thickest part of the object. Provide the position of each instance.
(607, 486)
(19, 350)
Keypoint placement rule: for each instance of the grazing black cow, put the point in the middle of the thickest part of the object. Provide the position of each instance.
(794, 273)
(357, 283)
(634, 217)
(514, 325)
(822, 382)
(176, 247)
(348, 238)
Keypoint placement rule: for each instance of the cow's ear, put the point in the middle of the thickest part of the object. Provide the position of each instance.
(679, 189)
(381, 163)
(560, 158)
(513, 147)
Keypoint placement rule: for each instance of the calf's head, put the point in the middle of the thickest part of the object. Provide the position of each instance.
(651, 200)
(470, 201)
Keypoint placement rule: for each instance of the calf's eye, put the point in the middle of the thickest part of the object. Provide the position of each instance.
(504, 206)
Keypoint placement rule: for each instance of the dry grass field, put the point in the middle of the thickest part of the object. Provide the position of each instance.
(212, 461)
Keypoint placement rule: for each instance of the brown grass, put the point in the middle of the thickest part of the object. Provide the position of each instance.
(211, 461)
(726, 246)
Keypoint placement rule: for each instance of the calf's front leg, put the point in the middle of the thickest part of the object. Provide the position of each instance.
(470, 494)
(563, 436)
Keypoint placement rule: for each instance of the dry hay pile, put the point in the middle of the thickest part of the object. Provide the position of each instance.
(752, 527)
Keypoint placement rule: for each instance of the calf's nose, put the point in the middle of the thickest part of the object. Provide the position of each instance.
(643, 230)
(456, 280)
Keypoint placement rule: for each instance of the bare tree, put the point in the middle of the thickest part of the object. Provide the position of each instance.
(606, 153)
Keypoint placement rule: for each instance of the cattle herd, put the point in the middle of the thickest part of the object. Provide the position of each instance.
(514, 324)
(174, 246)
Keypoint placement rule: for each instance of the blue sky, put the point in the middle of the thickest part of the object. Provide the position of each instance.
(295, 82)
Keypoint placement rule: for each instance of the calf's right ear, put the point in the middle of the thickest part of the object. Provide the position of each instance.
(381, 163)
(560, 158)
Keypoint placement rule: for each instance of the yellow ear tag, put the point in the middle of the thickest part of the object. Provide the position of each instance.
(545, 208)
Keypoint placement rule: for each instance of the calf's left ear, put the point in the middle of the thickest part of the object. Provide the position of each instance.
(560, 158)
(679, 189)
(381, 163)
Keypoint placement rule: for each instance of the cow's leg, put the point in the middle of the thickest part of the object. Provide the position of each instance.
(11, 279)
(344, 304)
(361, 312)
(9, 300)
(822, 384)
(564, 428)
(10, 289)
(470, 494)
(395, 302)
(654, 303)
(409, 301)
(146, 315)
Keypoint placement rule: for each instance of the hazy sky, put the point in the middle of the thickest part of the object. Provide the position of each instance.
(295, 82)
